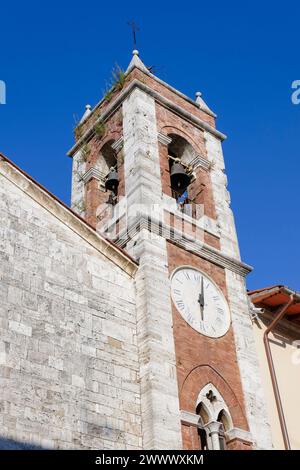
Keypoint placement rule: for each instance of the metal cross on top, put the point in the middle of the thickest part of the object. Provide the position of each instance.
(135, 29)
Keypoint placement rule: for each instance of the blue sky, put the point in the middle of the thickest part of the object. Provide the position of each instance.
(243, 57)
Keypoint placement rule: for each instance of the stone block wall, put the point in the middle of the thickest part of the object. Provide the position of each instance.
(69, 371)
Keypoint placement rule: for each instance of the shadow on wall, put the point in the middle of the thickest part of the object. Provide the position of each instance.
(10, 444)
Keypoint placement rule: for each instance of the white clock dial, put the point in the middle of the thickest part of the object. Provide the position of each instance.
(200, 302)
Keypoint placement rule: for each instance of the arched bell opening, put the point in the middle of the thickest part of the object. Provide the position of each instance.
(180, 154)
(107, 158)
(109, 169)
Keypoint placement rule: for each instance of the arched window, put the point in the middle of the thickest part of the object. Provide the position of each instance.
(203, 419)
(106, 163)
(202, 411)
(214, 418)
(180, 151)
(181, 148)
(225, 420)
(106, 159)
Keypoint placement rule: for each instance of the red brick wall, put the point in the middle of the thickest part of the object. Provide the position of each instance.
(237, 444)
(190, 437)
(164, 169)
(170, 123)
(171, 95)
(93, 195)
(201, 359)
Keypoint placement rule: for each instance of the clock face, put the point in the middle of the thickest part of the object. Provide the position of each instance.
(200, 302)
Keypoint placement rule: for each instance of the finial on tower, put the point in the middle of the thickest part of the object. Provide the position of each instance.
(202, 105)
(198, 97)
(136, 62)
(86, 113)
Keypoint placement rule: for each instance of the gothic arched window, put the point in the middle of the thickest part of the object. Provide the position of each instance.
(214, 418)
(203, 419)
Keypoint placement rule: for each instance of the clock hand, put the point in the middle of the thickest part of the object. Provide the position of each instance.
(201, 300)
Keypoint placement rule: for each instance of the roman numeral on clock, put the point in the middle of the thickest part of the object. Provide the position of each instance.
(177, 291)
(180, 304)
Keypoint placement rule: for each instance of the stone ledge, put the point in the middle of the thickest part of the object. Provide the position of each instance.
(239, 434)
(164, 139)
(183, 241)
(118, 144)
(93, 173)
(189, 418)
(200, 161)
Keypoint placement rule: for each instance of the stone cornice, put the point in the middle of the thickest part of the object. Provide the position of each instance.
(189, 418)
(200, 161)
(118, 144)
(240, 434)
(93, 173)
(182, 240)
(164, 139)
(111, 108)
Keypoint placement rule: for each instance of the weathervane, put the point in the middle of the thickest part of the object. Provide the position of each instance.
(135, 29)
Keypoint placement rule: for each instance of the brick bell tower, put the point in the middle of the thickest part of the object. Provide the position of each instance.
(148, 172)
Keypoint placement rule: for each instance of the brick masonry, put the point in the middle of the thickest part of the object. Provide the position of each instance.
(200, 359)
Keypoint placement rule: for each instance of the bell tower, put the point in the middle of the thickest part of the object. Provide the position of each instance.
(148, 172)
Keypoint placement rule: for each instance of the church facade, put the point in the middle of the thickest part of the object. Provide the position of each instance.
(125, 321)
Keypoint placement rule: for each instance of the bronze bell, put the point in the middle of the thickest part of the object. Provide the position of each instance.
(112, 180)
(179, 177)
